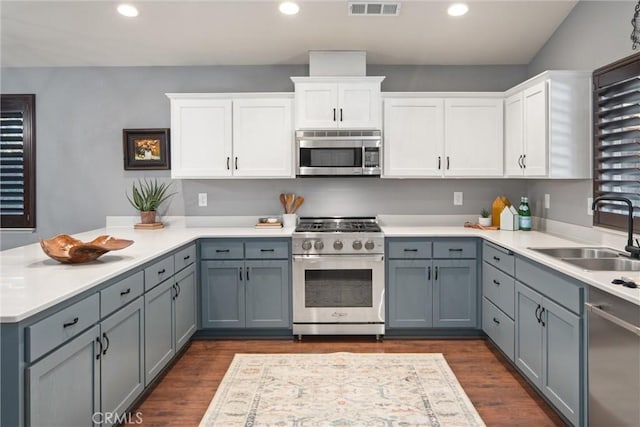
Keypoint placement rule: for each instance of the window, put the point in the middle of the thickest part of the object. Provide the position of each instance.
(616, 139)
(17, 161)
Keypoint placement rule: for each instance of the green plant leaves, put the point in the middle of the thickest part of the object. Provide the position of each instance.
(148, 195)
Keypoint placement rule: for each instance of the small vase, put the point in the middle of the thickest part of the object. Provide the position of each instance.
(147, 217)
(484, 221)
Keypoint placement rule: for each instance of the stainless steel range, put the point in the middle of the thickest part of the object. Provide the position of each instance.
(338, 277)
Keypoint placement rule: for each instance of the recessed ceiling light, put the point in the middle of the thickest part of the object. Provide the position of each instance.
(128, 10)
(457, 9)
(289, 8)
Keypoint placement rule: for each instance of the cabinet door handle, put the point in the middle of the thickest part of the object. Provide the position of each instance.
(520, 161)
(429, 273)
(240, 271)
(228, 159)
(222, 251)
(162, 271)
(410, 250)
(436, 274)
(495, 258)
(100, 349)
(127, 292)
(179, 289)
(186, 258)
(175, 292)
(267, 250)
(495, 282)
(537, 313)
(439, 162)
(524, 164)
(447, 162)
(341, 114)
(541, 319)
(496, 321)
(247, 273)
(236, 162)
(106, 339)
(334, 114)
(73, 322)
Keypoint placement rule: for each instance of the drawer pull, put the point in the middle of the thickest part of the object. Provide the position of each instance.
(187, 257)
(495, 282)
(496, 321)
(162, 271)
(410, 250)
(496, 258)
(127, 292)
(455, 249)
(267, 250)
(73, 322)
(222, 251)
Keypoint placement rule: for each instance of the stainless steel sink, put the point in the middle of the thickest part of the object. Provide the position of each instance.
(578, 252)
(593, 258)
(605, 264)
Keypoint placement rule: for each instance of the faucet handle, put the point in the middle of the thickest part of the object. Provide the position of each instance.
(637, 243)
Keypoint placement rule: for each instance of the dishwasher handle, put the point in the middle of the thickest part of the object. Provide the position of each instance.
(595, 309)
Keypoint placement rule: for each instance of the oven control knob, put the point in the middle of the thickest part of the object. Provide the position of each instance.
(306, 245)
(357, 244)
(318, 245)
(337, 245)
(369, 245)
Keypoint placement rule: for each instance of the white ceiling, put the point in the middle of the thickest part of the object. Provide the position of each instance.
(215, 32)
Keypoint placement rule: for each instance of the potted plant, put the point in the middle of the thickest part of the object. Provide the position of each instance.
(485, 218)
(147, 196)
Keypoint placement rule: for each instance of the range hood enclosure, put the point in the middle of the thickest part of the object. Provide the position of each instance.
(335, 63)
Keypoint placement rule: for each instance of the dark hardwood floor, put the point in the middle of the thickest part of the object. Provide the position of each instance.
(500, 396)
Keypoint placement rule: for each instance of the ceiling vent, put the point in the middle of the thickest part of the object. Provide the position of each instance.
(374, 8)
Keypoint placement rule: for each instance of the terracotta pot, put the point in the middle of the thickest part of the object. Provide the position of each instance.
(147, 217)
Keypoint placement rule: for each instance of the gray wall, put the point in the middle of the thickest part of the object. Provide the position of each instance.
(81, 113)
(594, 34)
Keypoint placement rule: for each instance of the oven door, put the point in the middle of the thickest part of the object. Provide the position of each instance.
(338, 289)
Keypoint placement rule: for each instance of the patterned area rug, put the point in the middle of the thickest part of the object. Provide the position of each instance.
(339, 390)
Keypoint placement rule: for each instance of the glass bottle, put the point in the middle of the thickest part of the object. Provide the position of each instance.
(525, 214)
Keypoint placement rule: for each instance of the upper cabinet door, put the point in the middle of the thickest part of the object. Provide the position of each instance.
(262, 138)
(513, 135)
(200, 138)
(413, 137)
(359, 105)
(535, 130)
(316, 105)
(473, 137)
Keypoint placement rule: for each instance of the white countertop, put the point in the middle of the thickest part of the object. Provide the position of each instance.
(31, 282)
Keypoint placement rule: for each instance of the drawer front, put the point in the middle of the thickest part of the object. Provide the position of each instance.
(455, 249)
(222, 249)
(551, 284)
(499, 288)
(409, 249)
(499, 257)
(499, 327)
(184, 258)
(121, 293)
(158, 272)
(268, 249)
(54, 330)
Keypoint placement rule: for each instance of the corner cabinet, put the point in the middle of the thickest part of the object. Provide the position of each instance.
(231, 135)
(429, 137)
(337, 102)
(548, 126)
(431, 284)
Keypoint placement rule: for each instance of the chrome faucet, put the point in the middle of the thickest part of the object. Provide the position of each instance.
(633, 250)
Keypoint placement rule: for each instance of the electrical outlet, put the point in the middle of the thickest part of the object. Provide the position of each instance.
(547, 201)
(589, 204)
(457, 198)
(202, 199)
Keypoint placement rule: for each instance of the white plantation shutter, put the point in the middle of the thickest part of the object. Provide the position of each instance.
(17, 161)
(616, 139)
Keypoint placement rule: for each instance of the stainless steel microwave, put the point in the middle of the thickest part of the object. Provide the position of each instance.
(338, 152)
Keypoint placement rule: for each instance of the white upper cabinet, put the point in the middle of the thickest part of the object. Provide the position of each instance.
(473, 137)
(413, 137)
(337, 102)
(241, 135)
(548, 126)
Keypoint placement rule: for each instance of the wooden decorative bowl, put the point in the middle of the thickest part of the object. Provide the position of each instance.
(66, 249)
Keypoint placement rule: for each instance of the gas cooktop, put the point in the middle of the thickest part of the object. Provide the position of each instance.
(337, 224)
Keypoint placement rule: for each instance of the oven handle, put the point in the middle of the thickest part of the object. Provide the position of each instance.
(320, 258)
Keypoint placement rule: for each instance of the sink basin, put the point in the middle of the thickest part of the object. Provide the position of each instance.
(605, 264)
(579, 252)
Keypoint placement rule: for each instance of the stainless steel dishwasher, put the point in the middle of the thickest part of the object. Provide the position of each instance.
(614, 360)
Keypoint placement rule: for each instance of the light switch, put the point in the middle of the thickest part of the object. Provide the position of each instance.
(547, 201)
(589, 205)
(457, 198)
(202, 199)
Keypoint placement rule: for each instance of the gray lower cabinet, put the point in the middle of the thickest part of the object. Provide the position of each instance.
(431, 293)
(245, 283)
(63, 389)
(548, 349)
(186, 303)
(159, 342)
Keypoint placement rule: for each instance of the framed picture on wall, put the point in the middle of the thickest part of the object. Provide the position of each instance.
(146, 149)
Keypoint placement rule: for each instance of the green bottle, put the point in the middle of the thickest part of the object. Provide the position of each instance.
(525, 214)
